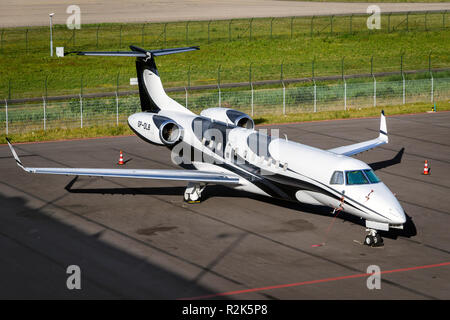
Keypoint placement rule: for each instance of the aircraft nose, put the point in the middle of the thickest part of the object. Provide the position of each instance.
(397, 215)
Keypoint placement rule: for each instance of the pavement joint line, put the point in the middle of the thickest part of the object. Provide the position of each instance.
(297, 284)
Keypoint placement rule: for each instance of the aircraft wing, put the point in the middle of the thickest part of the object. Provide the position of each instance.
(356, 148)
(161, 174)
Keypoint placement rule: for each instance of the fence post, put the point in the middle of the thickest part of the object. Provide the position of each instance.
(187, 33)
(120, 37)
(331, 24)
(374, 91)
(271, 22)
(292, 26)
(98, 27)
(45, 113)
(443, 19)
(73, 36)
(26, 40)
(1, 40)
(407, 21)
(426, 26)
(251, 85)
(351, 23)
(186, 93)
(432, 87)
(403, 77)
(284, 98)
(389, 22)
(250, 81)
(117, 109)
(45, 86)
(404, 88)
(6, 110)
(208, 30)
(81, 111)
(229, 30)
(312, 26)
(250, 29)
(165, 35)
(345, 84)
(189, 77)
(432, 79)
(345, 94)
(218, 83)
(315, 96)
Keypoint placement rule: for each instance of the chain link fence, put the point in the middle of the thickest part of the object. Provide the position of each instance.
(83, 112)
(118, 36)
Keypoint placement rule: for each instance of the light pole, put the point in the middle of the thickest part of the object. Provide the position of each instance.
(51, 36)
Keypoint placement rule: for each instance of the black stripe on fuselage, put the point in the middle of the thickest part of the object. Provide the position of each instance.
(276, 185)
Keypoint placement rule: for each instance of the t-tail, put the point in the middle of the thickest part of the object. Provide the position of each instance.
(151, 91)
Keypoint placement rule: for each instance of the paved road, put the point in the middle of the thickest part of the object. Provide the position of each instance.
(31, 13)
(138, 239)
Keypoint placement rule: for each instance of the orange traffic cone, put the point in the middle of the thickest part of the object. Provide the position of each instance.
(121, 158)
(426, 170)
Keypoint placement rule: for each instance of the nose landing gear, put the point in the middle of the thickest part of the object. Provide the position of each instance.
(373, 238)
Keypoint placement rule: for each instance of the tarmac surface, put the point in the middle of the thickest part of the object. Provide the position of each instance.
(15, 13)
(138, 239)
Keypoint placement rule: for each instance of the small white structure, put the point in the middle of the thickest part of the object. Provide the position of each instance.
(60, 51)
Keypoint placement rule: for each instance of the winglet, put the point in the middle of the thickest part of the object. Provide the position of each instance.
(383, 128)
(19, 163)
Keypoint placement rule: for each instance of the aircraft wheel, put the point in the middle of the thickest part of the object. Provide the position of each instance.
(369, 241)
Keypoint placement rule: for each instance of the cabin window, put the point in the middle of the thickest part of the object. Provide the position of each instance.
(356, 177)
(337, 178)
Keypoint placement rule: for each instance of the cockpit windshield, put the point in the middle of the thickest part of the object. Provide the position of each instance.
(371, 176)
(361, 177)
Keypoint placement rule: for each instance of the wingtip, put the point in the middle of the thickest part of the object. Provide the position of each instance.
(16, 157)
(382, 112)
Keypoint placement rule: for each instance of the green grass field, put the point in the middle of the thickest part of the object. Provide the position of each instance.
(232, 50)
(123, 129)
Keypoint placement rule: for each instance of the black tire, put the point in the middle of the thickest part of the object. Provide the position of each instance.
(369, 240)
(378, 239)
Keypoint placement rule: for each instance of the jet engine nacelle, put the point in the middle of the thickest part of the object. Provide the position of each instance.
(227, 115)
(155, 128)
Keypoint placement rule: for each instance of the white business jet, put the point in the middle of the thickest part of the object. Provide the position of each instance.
(221, 146)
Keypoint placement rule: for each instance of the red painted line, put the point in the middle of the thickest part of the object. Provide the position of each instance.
(360, 275)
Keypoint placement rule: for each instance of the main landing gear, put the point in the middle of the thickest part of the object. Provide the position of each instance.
(373, 238)
(193, 192)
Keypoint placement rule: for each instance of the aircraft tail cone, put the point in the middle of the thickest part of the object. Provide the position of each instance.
(426, 170)
(121, 158)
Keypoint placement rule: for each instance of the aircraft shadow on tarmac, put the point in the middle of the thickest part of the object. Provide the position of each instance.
(387, 163)
(409, 229)
(44, 247)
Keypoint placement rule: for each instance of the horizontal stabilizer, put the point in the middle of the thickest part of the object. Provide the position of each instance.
(135, 52)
